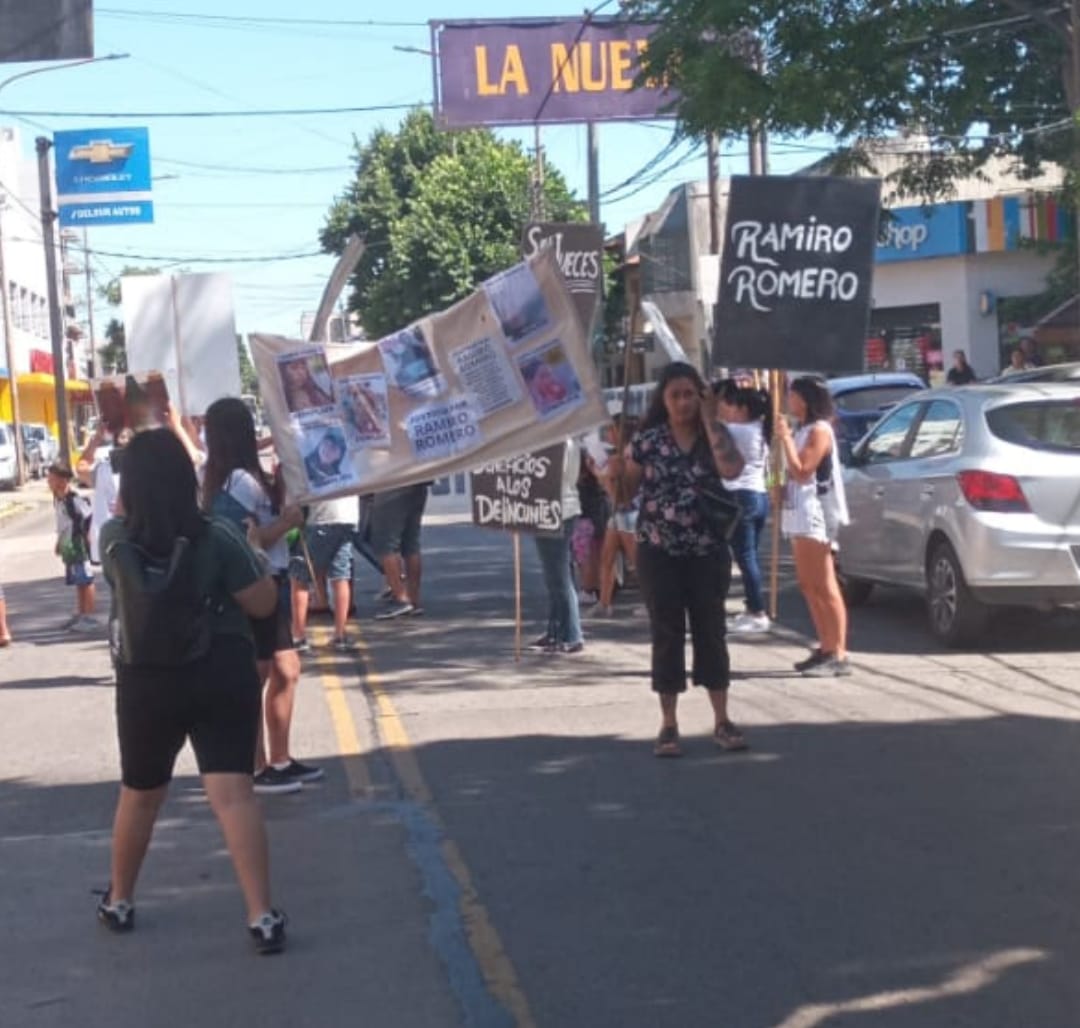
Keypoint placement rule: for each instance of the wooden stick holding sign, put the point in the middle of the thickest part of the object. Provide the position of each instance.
(517, 597)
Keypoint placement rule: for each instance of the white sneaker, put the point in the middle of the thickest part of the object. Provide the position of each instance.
(86, 625)
(750, 624)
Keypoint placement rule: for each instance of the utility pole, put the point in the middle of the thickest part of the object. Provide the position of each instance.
(713, 159)
(56, 315)
(9, 346)
(594, 173)
(92, 368)
(538, 177)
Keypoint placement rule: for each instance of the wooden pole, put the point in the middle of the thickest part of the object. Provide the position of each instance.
(777, 494)
(517, 597)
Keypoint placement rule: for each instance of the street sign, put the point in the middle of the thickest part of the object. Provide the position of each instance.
(103, 176)
(532, 71)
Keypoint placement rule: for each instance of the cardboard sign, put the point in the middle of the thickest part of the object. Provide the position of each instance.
(579, 249)
(522, 494)
(505, 371)
(183, 327)
(796, 273)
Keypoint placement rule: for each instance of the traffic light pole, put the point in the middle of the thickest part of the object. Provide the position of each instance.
(56, 315)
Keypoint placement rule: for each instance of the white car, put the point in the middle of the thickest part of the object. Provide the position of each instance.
(970, 496)
(7, 457)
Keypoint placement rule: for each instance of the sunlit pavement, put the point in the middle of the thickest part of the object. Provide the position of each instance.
(496, 844)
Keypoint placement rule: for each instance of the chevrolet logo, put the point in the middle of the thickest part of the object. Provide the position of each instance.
(101, 151)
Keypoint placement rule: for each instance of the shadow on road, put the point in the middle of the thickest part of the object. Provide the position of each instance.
(865, 875)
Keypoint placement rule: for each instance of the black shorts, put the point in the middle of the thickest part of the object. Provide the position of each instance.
(215, 702)
(395, 523)
(274, 632)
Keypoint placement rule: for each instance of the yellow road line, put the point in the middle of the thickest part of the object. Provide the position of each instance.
(348, 738)
(483, 938)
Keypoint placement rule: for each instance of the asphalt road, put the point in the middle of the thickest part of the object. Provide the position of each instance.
(495, 843)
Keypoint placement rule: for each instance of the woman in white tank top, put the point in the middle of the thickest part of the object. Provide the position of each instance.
(814, 510)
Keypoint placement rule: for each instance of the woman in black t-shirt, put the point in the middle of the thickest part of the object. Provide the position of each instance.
(211, 697)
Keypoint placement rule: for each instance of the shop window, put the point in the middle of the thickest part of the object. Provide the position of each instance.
(906, 339)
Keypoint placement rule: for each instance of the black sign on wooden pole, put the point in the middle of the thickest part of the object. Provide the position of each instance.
(579, 247)
(796, 272)
(523, 494)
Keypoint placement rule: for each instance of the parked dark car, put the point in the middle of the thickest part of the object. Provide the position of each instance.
(862, 400)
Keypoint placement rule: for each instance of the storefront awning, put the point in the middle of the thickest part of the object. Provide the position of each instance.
(41, 380)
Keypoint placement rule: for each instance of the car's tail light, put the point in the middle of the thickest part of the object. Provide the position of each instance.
(985, 490)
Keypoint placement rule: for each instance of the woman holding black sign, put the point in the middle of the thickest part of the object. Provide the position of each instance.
(814, 510)
(684, 564)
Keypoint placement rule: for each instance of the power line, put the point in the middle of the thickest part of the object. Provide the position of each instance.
(251, 113)
(250, 20)
(254, 170)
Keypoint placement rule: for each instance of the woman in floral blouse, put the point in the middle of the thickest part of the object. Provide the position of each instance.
(683, 565)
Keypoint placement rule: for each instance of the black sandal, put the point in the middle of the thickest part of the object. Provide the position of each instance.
(728, 737)
(667, 743)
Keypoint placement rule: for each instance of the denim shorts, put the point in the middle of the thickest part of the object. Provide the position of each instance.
(395, 521)
(330, 547)
(78, 574)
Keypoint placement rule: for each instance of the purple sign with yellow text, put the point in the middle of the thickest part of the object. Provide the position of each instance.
(540, 71)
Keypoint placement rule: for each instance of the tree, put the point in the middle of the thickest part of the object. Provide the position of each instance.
(249, 379)
(114, 353)
(978, 78)
(440, 212)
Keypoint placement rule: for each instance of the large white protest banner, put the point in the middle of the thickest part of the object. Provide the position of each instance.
(505, 371)
(183, 327)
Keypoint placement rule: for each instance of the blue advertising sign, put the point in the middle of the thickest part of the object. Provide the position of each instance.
(107, 212)
(914, 233)
(103, 176)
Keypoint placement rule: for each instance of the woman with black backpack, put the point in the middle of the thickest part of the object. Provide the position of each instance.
(184, 588)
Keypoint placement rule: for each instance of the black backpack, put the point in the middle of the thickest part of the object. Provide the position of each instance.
(162, 613)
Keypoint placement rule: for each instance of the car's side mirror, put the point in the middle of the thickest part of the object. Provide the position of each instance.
(854, 457)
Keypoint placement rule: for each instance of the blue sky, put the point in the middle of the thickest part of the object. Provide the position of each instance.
(260, 187)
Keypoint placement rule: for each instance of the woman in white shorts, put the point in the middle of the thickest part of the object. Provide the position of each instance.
(814, 510)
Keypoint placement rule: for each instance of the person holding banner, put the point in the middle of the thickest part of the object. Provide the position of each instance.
(684, 564)
(814, 509)
(236, 487)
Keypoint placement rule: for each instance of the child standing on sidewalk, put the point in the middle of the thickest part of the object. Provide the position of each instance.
(73, 546)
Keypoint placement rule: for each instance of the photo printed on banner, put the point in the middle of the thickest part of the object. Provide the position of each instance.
(519, 303)
(306, 381)
(365, 411)
(325, 455)
(485, 371)
(551, 380)
(443, 430)
(410, 364)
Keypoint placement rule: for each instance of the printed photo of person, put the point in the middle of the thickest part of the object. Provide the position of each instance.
(551, 380)
(306, 381)
(365, 409)
(326, 457)
(132, 402)
(518, 303)
(410, 364)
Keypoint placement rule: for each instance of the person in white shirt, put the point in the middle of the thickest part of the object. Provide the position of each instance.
(747, 412)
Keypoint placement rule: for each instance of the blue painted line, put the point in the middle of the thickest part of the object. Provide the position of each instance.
(447, 932)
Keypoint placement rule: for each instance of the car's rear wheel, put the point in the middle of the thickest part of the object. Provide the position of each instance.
(956, 617)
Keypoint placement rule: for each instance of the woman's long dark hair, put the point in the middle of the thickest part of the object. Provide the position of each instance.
(159, 492)
(756, 402)
(816, 396)
(231, 446)
(657, 413)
